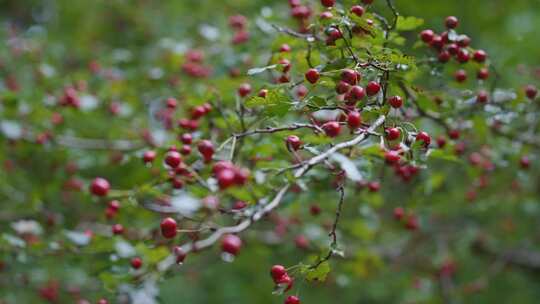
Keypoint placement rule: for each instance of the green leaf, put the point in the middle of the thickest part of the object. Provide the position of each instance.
(317, 274)
(276, 103)
(408, 23)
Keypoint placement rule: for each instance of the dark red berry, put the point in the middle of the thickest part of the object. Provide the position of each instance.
(186, 138)
(171, 103)
(350, 76)
(262, 93)
(354, 119)
(342, 87)
(399, 213)
(244, 89)
(294, 142)
(231, 244)
(180, 254)
(463, 56)
(173, 159)
(168, 228)
(292, 300)
(525, 162)
(373, 88)
(206, 148)
(312, 75)
(395, 101)
(357, 10)
(482, 97)
(444, 56)
(328, 3)
(149, 156)
(277, 271)
(483, 74)
(424, 138)
(117, 229)
(392, 133)
(460, 76)
(451, 22)
(391, 157)
(136, 263)
(480, 56)
(100, 186)
(427, 36)
(226, 178)
(331, 128)
(531, 91)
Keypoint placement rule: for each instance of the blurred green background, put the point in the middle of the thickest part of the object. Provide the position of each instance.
(82, 30)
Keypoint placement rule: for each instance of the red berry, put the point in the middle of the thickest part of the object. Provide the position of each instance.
(314, 210)
(284, 48)
(100, 186)
(177, 183)
(277, 271)
(427, 36)
(391, 157)
(453, 134)
(444, 56)
(206, 148)
(374, 186)
(173, 159)
(225, 178)
(239, 205)
(399, 213)
(262, 93)
(185, 150)
(463, 56)
(171, 103)
(168, 228)
(180, 254)
(342, 87)
(423, 137)
(149, 156)
(114, 205)
(244, 89)
(480, 56)
(328, 3)
(412, 223)
(331, 128)
(186, 138)
(312, 75)
(392, 133)
(452, 48)
(451, 22)
(483, 74)
(354, 119)
(350, 76)
(292, 300)
(367, 1)
(198, 112)
(373, 88)
(285, 280)
(441, 141)
(531, 91)
(357, 10)
(396, 101)
(460, 76)
(294, 142)
(524, 162)
(326, 15)
(482, 97)
(136, 262)
(231, 244)
(117, 229)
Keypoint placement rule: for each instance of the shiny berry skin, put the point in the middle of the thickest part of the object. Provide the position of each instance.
(244, 89)
(437, 42)
(392, 133)
(328, 3)
(168, 228)
(525, 162)
(294, 142)
(114, 205)
(100, 186)
(149, 156)
(226, 178)
(185, 150)
(531, 91)
(399, 213)
(350, 76)
(292, 300)
(374, 186)
(284, 48)
(444, 56)
(117, 229)
(277, 271)
(427, 36)
(391, 157)
(342, 87)
(483, 74)
(482, 97)
(206, 148)
(136, 263)
(373, 88)
(357, 10)
(453, 134)
(262, 93)
(452, 48)
(312, 76)
(451, 22)
(463, 56)
(186, 138)
(464, 41)
(180, 254)
(231, 244)
(395, 101)
(355, 93)
(354, 119)
(198, 112)
(331, 128)
(173, 159)
(460, 76)
(325, 15)
(423, 137)
(480, 56)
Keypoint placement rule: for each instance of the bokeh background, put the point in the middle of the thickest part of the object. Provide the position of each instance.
(77, 31)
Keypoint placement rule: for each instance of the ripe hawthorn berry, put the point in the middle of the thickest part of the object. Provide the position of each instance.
(453, 134)
(460, 76)
(186, 138)
(525, 162)
(342, 87)
(168, 228)
(424, 138)
(136, 262)
(398, 213)
(482, 97)
(277, 271)
(328, 3)
(173, 159)
(354, 119)
(226, 178)
(374, 186)
(149, 156)
(117, 229)
(451, 22)
(444, 56)
(483, 74)
(373, 88)
(392, 133)
(395, 101)
(312, 76)
(331, 128)
(441, 141)
(463, 56)
(180, 254)
(206, 148)
(244, 89)
(357, 10)
(294, 142)
(355, 93)
(350, 76)
(391, 157)
(284, 48)
(531, 91)
(479, 56)
(292, 300)
(100, 186)
(231, 244)
(262, 93)
(326, 15)
(427, 36)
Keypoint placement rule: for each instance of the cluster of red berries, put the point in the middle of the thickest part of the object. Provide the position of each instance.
(283, 282)
(231, 244)
(410, 220)
(239, 23)
(228, 175)
(301, 13)
(70, 98)
(194, 66)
